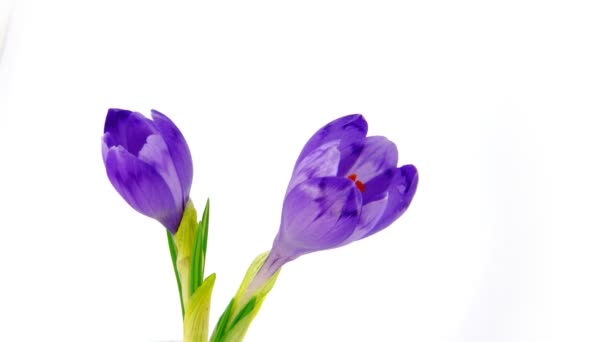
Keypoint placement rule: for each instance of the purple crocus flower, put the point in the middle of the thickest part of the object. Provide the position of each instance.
(345, 187)
(149, 164)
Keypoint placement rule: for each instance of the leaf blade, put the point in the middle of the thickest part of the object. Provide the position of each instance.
(197, 263)
(173, 253)
(220, 328)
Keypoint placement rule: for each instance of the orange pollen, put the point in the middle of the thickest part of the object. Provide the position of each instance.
(358, 183)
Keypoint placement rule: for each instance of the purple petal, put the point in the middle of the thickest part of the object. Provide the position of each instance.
(349, 155)
(127, 129)
(400, 195)
(348, 130)
(156, 154)
(371, 213)
(378, 154)
(318, 214)
(178, 149)
(142, 187)
(377, 187)
(322, 162)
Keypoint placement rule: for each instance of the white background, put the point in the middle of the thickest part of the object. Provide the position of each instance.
(500, 105)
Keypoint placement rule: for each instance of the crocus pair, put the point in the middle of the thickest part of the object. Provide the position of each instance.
(345, 186)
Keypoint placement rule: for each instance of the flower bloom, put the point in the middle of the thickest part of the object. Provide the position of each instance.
(149, 164)
(344, 187)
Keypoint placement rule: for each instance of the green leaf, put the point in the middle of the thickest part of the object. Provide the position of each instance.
(173, 260)
(222, 323)
(205, 225)
(196, 319)
(244, 311)
(197, 264)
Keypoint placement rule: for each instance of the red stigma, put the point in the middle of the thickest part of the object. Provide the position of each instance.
(358, 183)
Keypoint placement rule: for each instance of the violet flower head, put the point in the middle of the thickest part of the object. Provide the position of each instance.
(149, 164)
(345, 187)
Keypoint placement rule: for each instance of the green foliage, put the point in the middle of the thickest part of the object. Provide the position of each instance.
(173, 260)
(199, 249)
(243, 308)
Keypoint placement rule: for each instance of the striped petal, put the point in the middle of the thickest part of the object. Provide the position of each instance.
(318, 214)
(142, 187)
(178, 149)
(400, 195)
(347, 131)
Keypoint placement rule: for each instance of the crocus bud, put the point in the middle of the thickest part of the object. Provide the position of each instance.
(149, 164)
(345, 187)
